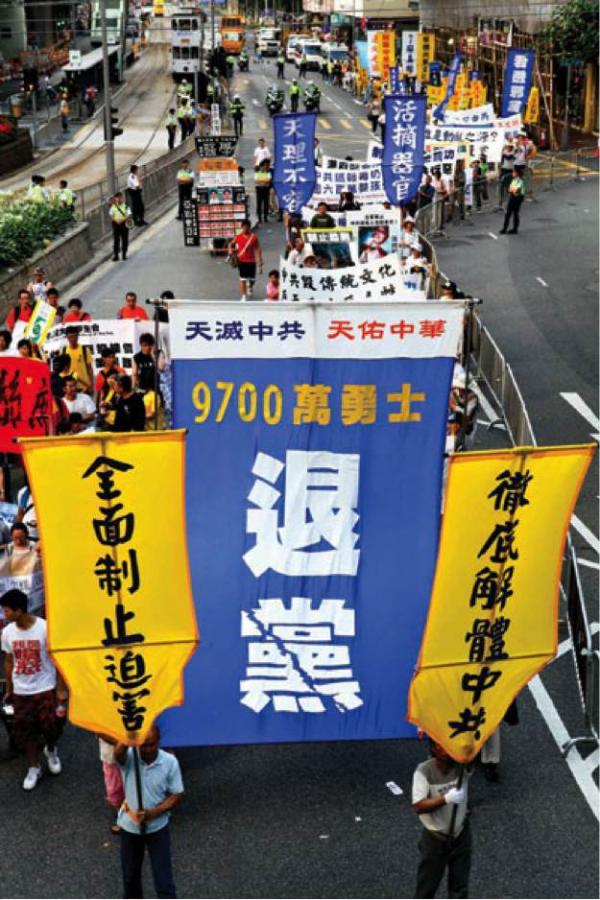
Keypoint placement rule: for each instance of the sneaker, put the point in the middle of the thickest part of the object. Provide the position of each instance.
(250, 288)
(31, 779)
(54, 764)
(243, 298)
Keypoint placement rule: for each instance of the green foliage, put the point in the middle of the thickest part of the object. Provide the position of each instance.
(27, 227)
(572, 34)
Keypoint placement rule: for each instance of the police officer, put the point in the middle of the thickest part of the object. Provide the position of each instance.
(190, 117)
(280, 64)
(236, 111)
(294, 92)
(171, 126)
(66, 197)
(37, 191)
(182, 119)
(516, 195)
(120, 215)
(185, 183)
(184, 90)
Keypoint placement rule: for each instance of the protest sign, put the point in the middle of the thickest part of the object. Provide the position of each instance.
(121, 655)
(532, 113)
(373, 54)
(40, 322)
(366, 183)
(377, 240)
(480, 115)
(403, 146)
(409, 52)
(191, 232)
(379, 279)
(425, 55)
(121, 335)
(294, 174)
(331, 247)
(518, 78)
(25, 400)
(493, 616)
(313, 542)
(208, 147)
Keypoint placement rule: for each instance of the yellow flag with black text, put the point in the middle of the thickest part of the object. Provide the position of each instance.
(121, 620)
(493, 614)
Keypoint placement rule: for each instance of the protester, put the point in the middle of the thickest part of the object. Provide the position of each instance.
(154, 410)
(321, 218)
(75, 312)
(130, 414)
(25, 348)
(75, 424)
(347, 202)
(81, 360)
(246, 249)
(33, 688)
(22, 311)
(5, 342)
(144, 364)
(52, 296)
(162, 791)
(77, 401)
(131, 310)
(298, 255)
(38, 287)
(273, 285)
(426, 192)
(262, 182)
(445, 841)
(261, 153)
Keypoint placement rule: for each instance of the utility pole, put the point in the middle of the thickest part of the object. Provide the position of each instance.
(564, 138)
(109, 146)
(212, 26)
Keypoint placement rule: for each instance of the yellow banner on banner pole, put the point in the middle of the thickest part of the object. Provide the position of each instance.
(532, 111)
(121, 620)
(493, 614)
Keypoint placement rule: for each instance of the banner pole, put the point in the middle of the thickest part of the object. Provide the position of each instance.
(461, 776)
(138, 784)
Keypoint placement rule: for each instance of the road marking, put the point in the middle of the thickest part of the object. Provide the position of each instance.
(586, 533)
(325, 124)
(580, 406)
(588, 563)
(263, 123)
(255, 101)
(541, 281)
(346, 124)
(556, 727)
(492, 235)
(367, 125)
(565, 646)
(484, 402)
(592, 761)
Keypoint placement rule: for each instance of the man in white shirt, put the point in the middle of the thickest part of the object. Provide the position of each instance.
(78, 402)
(445, 842)
(135, 197)
(261, 152)
(301, 251)
(32, 687)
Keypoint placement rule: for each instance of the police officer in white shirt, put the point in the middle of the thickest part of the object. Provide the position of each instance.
(134, 195)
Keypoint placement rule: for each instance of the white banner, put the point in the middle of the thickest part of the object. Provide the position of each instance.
(330, 331)
(122, 335)
(368, 282)
(480, 115)
(366, 184)
(372, 53)
(409, 52)
(487, 140)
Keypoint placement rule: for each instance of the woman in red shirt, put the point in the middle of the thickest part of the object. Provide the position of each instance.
(76, 313)
(246, 247)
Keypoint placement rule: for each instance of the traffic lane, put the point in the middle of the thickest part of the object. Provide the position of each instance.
(308, 820)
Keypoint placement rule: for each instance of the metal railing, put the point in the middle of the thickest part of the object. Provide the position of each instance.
(489, 367)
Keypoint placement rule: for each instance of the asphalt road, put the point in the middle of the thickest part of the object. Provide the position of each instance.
(316, 820)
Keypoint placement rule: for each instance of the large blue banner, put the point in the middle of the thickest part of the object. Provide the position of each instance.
(314, 466)
(438, 112)
(518, 78)
(295, 174)
(403, 146)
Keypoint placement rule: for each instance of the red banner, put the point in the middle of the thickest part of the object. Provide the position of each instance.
(25, 401)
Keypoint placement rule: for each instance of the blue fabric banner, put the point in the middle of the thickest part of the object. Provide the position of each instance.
(394, 80)
(362, 48)
(294, 175)
(403, 145)
(315, 454)
(518, 78)
(438, 112)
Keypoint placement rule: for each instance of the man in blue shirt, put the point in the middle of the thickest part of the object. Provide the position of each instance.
(162, 790)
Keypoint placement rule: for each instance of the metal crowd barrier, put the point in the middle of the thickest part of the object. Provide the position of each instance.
(489, 367)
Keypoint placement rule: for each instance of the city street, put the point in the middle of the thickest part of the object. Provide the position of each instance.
(318, 820)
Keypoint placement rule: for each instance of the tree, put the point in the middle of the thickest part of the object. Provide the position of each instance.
(572, 37)
(572, 33)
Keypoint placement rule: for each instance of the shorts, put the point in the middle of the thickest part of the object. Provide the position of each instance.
(113, 782)
(36, 719)
(247, 271)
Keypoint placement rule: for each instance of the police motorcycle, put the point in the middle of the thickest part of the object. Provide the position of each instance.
(274, 100)
(312, 97)
(243, 61)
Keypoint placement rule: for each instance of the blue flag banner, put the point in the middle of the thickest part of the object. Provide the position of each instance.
(438, 112)
(295, 174)
(403, 145)
(362, 48)
(315, 454)
(518, 78)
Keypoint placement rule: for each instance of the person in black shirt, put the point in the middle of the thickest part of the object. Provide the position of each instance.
(321, 218)
(130, 414)
(144, 365)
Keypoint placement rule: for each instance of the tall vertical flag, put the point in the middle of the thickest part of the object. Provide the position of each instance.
(295, 176)
(403, 145)
(438, 112)
(121, 621)
(493, 615)
(518, 78)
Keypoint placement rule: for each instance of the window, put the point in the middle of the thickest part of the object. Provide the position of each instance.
(5, 31)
